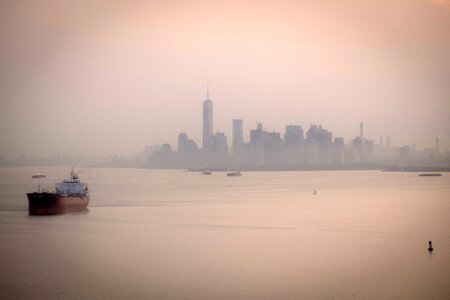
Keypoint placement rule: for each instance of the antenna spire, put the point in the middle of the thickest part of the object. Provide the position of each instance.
(207, 91)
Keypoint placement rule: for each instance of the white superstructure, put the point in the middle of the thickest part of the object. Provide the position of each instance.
(71, 186)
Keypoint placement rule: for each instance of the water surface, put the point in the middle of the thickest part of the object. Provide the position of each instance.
(179, 235)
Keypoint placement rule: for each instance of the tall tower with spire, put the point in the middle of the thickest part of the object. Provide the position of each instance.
(207, 121)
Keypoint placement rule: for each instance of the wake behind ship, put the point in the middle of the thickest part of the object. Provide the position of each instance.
(69, 196)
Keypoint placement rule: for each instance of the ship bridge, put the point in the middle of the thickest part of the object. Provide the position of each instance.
(71, 186)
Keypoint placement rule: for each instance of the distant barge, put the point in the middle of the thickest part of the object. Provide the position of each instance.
(38, 175)
(234, 174)
(430, 174)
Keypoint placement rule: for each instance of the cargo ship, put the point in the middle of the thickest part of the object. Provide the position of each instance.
(70, 195)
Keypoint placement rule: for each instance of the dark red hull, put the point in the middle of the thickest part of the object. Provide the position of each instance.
(52, 203)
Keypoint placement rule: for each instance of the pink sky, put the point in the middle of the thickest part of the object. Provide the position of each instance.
(99, 78)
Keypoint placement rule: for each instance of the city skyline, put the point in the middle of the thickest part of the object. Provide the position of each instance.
(110, 75)
(245, 135)
(238, 133)
(298, 149)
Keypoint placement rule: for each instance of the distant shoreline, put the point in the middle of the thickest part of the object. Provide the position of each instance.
(359, 167)
(332, 168)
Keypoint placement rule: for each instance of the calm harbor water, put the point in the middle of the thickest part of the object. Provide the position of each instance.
(159, 234)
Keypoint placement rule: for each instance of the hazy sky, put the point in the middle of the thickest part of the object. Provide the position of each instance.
(97, 78)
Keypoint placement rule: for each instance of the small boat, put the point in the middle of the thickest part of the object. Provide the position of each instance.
(232, 174)
(315, 192)
(39, 175)
(206, 172)
(430, 174)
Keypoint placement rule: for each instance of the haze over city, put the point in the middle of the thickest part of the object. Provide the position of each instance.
(98, 78)
(226, 150)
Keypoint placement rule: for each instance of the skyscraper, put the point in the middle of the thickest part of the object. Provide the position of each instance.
(257, 135)
(220, 143)
(293, 135)
(182, 142)
(186, 145)
(238, 133)
(207, 122)
(361, 130)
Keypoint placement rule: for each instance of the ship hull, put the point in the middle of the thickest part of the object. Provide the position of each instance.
(53, 203)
